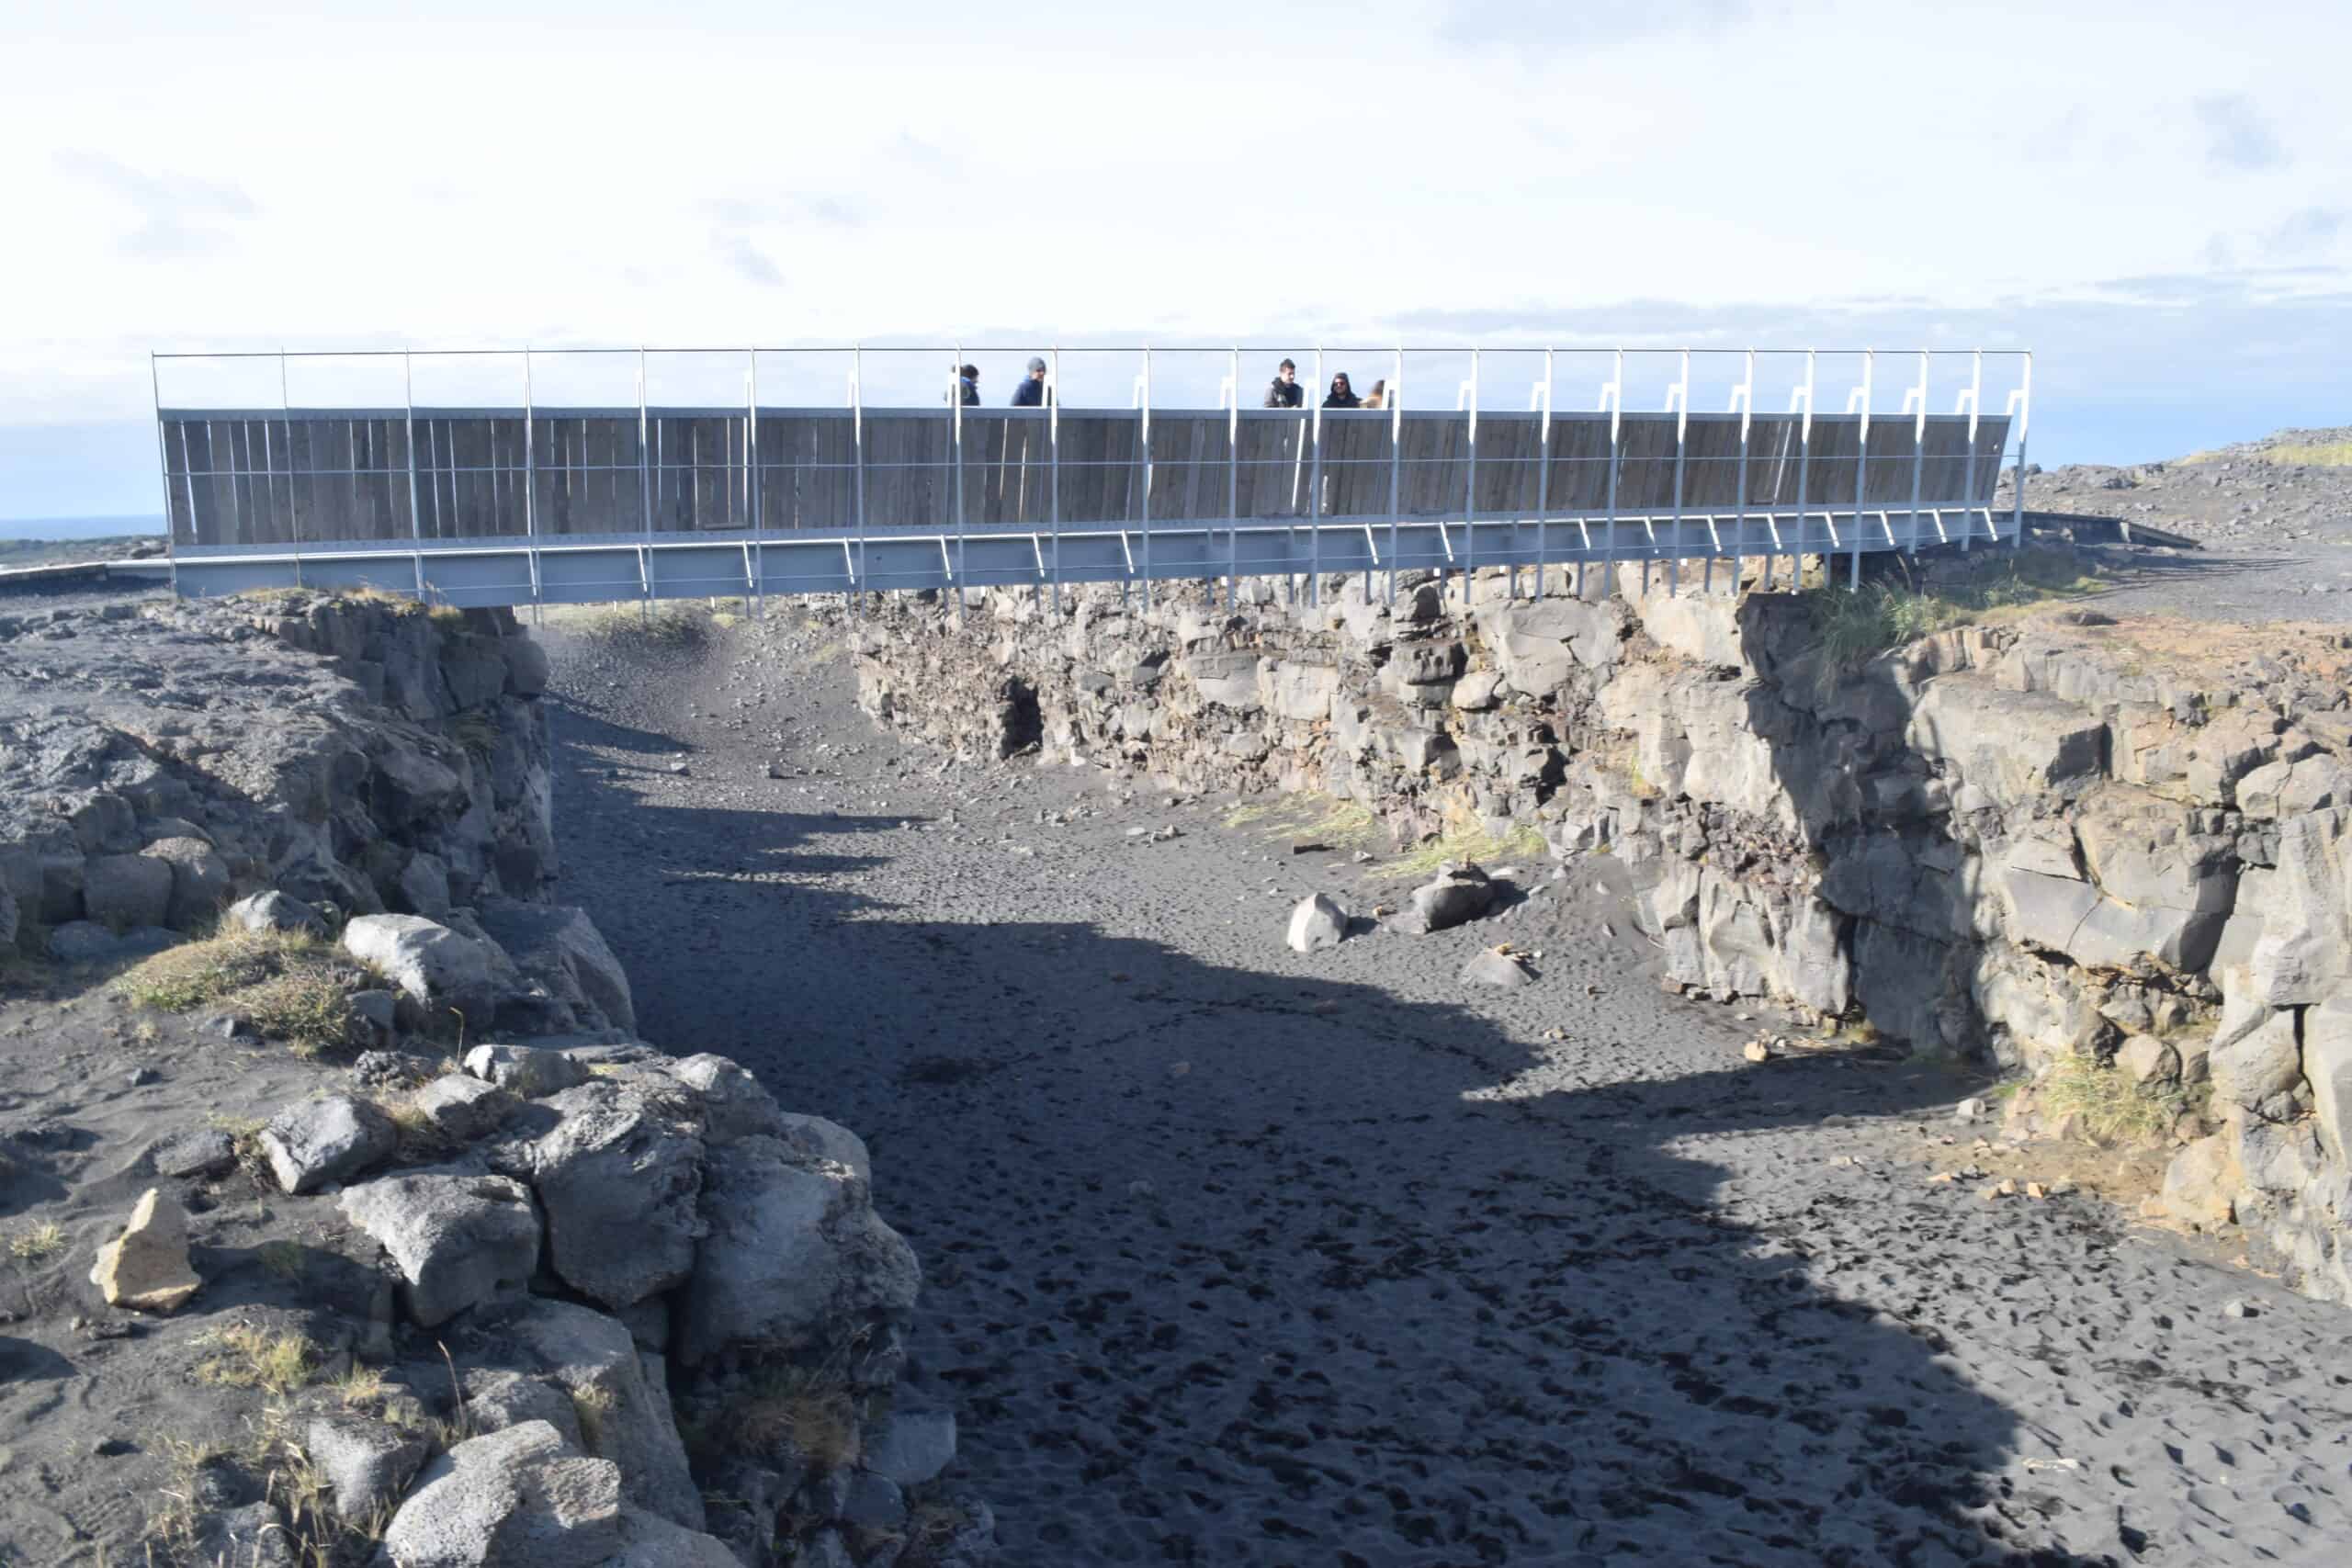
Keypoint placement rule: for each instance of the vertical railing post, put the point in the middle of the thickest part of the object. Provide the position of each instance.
(1861, 468)
(1233, 489)
(1976, 396)
(407, 420)
(2024, 417)
(758, 603)
(1314, 401)
(1804, 471)
(1543, 479)
(1613, 398)
(531, 455)
(955, 405)
(644, 452)
(1395, 462)
(1681, 439)
(858, 586)
(1470, 500)
(164, 470)
(1054, 464)
(1743, 398)
(293, 506)
(1144, 429)
(1919, 449)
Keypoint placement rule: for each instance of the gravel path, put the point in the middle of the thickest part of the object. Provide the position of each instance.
(1237, 1256)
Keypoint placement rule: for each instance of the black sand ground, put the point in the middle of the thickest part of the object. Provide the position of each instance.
(1240, 1256)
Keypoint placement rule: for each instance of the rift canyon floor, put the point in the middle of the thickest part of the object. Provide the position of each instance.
(1234, 1255)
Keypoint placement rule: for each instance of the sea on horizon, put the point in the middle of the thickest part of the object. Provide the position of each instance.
(80, 527)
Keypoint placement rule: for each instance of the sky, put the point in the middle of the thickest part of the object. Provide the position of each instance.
(2153, 197)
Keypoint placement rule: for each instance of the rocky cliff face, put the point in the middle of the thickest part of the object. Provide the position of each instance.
(499, 1282)
(2061, 843)
(157, 763)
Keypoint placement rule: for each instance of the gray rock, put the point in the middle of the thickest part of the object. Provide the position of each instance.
(368, 1463)
(2327, 1067)
(11, 915)
(824, 1549)
(874, 1501)
(620, 1175)
(460, 1240)
(2144, 1058)
(437, 967)
(254, 1536)
(1973, 1108)
(83, 942)
(146, 1267)
(425, 885)
(516, 1499)
(649, 1540)
(562, 949)
(1316, 923)
(123, 891)
(527, 665)
(1493, 966)
(622, 1400)
(314, 1142)
(794, 1251)
(379, 1011)
(463, 1107)
(202, 1151)
(274, 911)
(2258, 1067)
(200, 884)
(500, 1397)
(734, 1104)
(910, 1446)
(1460, 894)
(814, 1139)
(532, 1072)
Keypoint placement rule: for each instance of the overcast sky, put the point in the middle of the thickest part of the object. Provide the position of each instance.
(2156, 198)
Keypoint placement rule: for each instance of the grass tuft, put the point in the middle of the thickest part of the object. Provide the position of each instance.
(249, 1357)
(36, 1243)
(1856, 626)
(293, 987)
(2113, 1109)
(1464, 841)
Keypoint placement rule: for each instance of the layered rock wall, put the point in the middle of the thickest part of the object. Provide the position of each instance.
(2048, 842)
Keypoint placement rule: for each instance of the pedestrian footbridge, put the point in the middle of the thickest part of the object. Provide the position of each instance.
(529, 502)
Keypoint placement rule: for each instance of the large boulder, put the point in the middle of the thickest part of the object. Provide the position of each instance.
(622, 1400)
(1318, 922)
(367, 1463)
(200, 882)
(2327, 1067)
(562, 949)
(795, 1254)
(2305, 952)
(1460, 894)
(461, 1239)
(275, 911)
(439, 969)
(531, 1072)
(516, 1499)
(124, 891)
(619, 1172)
(314, 1142)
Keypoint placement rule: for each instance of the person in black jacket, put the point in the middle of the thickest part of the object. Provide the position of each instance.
(1343, 396)
(1031, 393)
(1285, 392)
(967, 386)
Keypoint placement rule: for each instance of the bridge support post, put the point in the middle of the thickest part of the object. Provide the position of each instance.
(1743, 400)
(1861, 469)
(2017, 498)
(1145, 433)
(1054, 464)
(1395, 459)
(1314, 423)
(1543, 479)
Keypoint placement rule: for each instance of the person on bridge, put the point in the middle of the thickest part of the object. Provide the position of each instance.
(1378, 397)
(967, 386)
(1342, 396)
(1031, 393)
(1285, 392)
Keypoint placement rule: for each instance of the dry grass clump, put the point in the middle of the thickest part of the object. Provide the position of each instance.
(1465, 841)
(809, 1407)
(37, 1244)
(1856, 626)
(251, 1357)
(292, 987)
(2111, 1108)
(1323, 817)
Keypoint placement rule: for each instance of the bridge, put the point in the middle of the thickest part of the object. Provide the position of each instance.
(526, 502)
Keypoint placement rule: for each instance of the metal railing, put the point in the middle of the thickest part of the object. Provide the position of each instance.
(526, 503)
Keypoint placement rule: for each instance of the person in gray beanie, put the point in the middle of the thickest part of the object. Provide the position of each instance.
(1031, 393)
